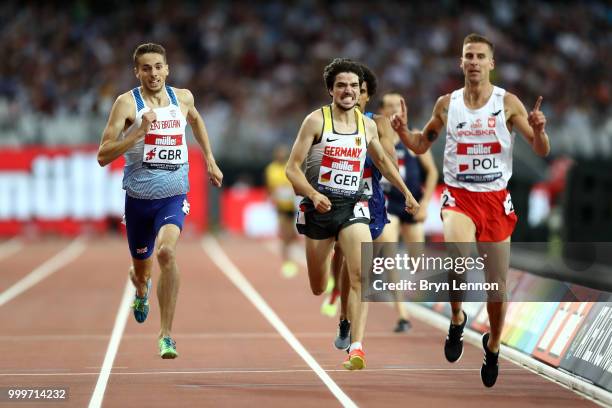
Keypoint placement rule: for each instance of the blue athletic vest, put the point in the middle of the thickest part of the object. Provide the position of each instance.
(144, 182)
(410, 170)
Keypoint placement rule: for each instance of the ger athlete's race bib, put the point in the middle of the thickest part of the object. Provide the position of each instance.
(340, 171)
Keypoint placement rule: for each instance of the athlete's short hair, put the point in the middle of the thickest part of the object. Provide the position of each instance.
(477, 38)
(370, 79)
(148, 48)
(337, 66)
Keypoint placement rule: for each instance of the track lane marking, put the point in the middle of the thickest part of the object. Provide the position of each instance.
(113, 345)
(46, 269)
(9, 247)
(221, 260)
(568, 381)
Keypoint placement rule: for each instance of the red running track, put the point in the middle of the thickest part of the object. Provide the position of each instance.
(56, 334)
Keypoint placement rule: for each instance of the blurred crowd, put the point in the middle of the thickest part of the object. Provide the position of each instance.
(255, 68)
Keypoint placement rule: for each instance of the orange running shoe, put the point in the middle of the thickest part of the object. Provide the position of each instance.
(355, 360)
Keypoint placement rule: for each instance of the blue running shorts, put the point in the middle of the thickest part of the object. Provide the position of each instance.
(144, 218)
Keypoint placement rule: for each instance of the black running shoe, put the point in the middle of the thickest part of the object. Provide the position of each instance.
(490, 366)
(453, 347)
(343, 339)
(403, 326)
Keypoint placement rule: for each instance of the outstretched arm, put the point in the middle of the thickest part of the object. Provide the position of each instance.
(531, 125)
(201, 136)
(308, 133)
(420, 142)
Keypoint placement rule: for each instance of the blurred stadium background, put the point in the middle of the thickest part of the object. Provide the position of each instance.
(256, 69)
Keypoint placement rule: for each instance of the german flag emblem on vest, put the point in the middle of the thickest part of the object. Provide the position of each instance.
(358, 141)
(326, 177)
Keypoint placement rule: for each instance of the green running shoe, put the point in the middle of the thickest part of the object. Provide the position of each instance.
(167, 348)
(141, 305)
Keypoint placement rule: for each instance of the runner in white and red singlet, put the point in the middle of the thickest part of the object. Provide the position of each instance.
(479, 120)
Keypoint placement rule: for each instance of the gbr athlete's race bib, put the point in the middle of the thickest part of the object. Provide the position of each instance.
(165, 152)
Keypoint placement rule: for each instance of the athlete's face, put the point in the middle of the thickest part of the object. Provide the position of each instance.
(346, 90)
(476, 62)
(391, 105)
(364, 97)
(152, 71)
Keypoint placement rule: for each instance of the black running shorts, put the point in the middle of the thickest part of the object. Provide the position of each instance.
(316, 225)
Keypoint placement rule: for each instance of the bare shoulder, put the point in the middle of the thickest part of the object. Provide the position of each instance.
(371, 129)
(383, 124)
(512, 105)
(184, 96)
(369, 123)
(440, 110)
(511, 100)
(125, 98)
(125, 105)
(443, 102)
(314, 119)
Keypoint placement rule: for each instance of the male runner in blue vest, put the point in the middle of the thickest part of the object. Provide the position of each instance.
(147, 125)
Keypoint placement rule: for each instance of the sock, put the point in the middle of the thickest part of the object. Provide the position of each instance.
(355, 345)
(334, 296)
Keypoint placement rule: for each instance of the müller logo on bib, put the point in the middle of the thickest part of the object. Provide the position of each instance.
(164, 140)
(478, 148)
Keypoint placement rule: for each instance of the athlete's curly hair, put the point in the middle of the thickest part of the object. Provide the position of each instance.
(337, 66)
(370, 79)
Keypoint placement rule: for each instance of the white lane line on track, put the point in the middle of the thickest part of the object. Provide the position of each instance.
(565, 380)
(113, 346)
(215, 372)
(218, 256)
(49, 267)
(9, 247)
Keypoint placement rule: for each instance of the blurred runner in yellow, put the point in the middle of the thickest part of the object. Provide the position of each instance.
(281, 194)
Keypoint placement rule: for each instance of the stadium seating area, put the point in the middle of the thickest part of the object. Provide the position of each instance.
(256, 68)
